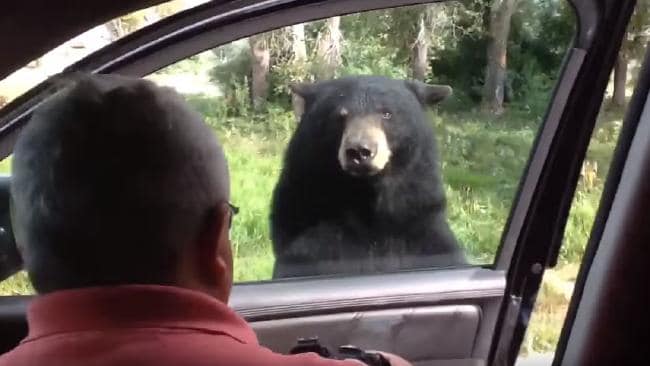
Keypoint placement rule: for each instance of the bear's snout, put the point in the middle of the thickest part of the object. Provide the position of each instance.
(364, 149)
(360, 151)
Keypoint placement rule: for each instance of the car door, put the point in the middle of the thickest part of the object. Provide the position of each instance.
(468, 315)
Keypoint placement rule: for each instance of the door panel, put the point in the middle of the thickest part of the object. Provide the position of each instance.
(431, 318)
(291, 298)
(12, 318)
(420, 334)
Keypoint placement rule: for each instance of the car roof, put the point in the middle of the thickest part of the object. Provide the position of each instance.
(30, 28)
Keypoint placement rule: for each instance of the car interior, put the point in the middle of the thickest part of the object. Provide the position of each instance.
(472, 315)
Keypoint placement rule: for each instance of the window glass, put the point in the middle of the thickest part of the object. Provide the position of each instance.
(557, 286)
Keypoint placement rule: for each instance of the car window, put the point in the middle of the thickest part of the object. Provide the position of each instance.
(557, 287)
(483, 134)
(432, 184)
(83, 45)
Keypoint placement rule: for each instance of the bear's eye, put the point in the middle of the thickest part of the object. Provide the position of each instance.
(386, 115)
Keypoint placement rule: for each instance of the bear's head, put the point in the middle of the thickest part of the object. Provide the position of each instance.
(366, 123)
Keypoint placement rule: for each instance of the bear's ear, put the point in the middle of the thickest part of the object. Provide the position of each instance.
(429, 94)
(303, 90)
(302, 95)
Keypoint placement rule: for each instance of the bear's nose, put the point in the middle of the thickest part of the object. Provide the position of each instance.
(359, 153)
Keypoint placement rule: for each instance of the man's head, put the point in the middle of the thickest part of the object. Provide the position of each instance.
(117, 181)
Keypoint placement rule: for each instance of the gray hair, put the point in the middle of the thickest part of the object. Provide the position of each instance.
(112, 177)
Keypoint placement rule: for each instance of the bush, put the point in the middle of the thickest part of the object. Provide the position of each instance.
(232, 74)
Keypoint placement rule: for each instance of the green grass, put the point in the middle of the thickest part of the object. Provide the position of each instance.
(482, 166)
(482, 159)
(18, 284)
(5, 166)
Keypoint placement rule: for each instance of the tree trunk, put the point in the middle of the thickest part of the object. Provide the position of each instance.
(299, 49)
(620, 81)
(419, 58)
(328, 50)
(298, 42)
(260, 64)
(115, 29)
(497, 53)
(151, 15)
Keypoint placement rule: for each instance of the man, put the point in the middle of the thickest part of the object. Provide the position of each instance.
(120, 207)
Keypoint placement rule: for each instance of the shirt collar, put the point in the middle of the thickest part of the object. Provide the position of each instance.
(133, 306)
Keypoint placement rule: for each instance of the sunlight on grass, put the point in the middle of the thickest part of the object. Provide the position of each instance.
(5, 166)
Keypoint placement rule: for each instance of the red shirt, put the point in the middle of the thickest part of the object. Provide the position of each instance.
(142, 325)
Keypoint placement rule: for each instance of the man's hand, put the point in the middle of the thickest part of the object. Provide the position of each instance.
(394, 359)
(355, 361)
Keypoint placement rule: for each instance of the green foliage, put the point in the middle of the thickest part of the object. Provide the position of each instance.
(233, 63)
(380, 42)
(463, 67)
(364, 60)
(531, 88)
(536, 49)
(540, 35)
(18, 284)
(232, 74)
(638, 32)
(5, 166)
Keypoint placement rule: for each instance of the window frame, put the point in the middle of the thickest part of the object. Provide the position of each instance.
(613, 263)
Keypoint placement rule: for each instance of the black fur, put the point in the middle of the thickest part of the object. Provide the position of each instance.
(324, 221)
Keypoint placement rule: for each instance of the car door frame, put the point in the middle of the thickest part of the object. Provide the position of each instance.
(604, 322)
(571, 119)
(529, 243)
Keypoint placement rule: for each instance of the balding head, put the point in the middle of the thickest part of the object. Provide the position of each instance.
(113, 178)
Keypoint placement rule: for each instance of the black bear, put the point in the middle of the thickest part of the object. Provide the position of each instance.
(360, 190)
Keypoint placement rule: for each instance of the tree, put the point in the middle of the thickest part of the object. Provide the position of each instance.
(298, 45)
(497, 52)
(420, 51)
(328, 49)
(299, 61)
(620, 80)
(427, 29)
(260, 65)
(129, 23)
(633, 45)
(116, 29)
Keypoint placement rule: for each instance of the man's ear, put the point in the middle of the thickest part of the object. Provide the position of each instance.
(215, 254)
(429, 94)
(302, 94)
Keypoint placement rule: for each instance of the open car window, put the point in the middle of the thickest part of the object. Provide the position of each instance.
(483, 133)
(481, 139)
